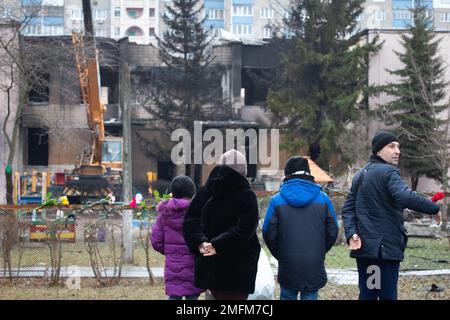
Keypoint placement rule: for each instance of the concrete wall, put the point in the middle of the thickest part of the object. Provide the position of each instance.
(139, 55)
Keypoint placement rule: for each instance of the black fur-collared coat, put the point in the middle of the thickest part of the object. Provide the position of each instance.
(225, 213)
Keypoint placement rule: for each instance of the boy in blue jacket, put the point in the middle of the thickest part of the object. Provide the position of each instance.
(300, 227)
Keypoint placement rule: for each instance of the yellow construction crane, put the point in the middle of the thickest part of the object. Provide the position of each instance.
(98, 172)
(90, 90)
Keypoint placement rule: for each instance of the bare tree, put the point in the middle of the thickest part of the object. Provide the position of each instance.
(355, 153)
(98, 259)
(13, 228)
(9, 44)
(25, 67)
(18, 71)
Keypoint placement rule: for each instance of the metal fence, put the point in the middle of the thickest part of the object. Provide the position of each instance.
(77, 253)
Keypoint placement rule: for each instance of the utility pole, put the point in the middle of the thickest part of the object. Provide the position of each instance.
(127, 215)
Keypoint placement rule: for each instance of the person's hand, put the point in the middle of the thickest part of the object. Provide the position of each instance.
(354, 242)
(209, 250)
(203, 247)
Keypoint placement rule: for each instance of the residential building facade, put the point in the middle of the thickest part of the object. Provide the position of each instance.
(141, 20)
(43, 17)
(101, 17)
(396, 14)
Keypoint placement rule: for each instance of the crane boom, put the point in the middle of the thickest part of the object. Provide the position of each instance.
(89, 179)
(89, 76)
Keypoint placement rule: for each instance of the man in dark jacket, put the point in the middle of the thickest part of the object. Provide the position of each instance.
(373, 219)
(299, 228)
(220, 229)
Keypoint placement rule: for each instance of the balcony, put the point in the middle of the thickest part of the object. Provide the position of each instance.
(134, 13)
(134, 32)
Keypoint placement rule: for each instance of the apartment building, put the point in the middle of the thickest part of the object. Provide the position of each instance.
(245, 18)
(42, 17)
(141, 20)
(396, 14)
(101, 16)
(137, 19)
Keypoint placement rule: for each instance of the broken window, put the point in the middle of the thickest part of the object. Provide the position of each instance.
(256, 88)
(37, 147)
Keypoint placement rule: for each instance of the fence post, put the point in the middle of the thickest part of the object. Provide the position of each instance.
(127, 215)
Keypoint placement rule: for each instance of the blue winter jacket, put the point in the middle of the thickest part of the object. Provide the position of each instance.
(299, 228)
(374, 210)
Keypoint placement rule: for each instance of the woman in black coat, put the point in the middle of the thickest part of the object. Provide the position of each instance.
(220, 229)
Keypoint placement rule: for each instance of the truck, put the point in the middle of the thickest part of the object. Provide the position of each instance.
(98, 170)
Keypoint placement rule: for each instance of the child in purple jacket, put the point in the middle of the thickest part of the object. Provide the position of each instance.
(167, 239)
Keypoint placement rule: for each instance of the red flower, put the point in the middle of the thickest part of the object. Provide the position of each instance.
(133, 203)
(438, 196)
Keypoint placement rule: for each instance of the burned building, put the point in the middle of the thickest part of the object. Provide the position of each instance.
(54, 129)
(54, 125)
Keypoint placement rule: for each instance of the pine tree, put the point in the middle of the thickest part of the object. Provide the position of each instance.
(187, 87)
(322, 77)
(418, 94)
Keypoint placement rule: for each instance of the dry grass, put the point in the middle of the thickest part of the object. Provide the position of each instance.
(412, 288)
(139, 289)
(37, 288)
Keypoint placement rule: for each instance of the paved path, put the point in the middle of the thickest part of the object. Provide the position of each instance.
(127, 272)
(337, 276)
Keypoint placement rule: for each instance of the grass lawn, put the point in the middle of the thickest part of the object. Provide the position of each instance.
(140, 289)
(76, 254)
(409, 288)
(37, 288)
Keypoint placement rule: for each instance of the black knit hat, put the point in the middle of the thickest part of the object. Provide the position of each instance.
(381, 139)
(296, 163)
(182, 187)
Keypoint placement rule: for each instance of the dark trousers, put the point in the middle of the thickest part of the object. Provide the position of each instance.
(228, 295)
(375, 285)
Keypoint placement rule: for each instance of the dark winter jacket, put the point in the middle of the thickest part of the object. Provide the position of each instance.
(299, 228)
(225, 213)
(374, 210)
(167, 238)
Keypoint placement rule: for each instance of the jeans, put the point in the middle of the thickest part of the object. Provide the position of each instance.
(292, 294)
(192, 297)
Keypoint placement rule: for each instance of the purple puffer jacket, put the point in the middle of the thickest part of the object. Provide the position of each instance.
(167, 238)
